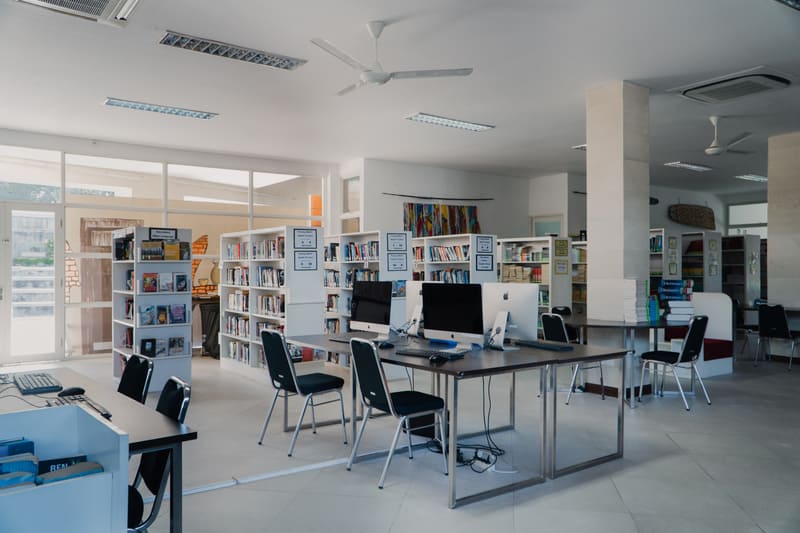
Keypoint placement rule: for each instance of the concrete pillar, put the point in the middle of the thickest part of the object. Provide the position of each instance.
(618, 191)
(783, 195)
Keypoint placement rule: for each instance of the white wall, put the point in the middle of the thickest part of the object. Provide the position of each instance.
(505, 215)
(576, 204)
(667, 197)
(548, 197)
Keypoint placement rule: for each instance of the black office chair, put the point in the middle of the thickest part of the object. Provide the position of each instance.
(692, 345)
(135, 380)
(284, 379)
(741, 327)
(154, 467)
(572, 332)
(554, 329)
(773, 324)
(403, 405)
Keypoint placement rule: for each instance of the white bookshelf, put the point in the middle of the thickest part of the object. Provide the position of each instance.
(542, 260)
(741, 268)
(270, 278)
(702, 260)
(364, 256)
(665, 256)
(133, 302)
(462, 258)
(580, 271)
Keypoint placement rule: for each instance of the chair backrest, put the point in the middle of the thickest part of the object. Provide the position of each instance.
(553, 328)
(135, 380)
(693, 342)
(562, 310)
(278, 360)
(772, 322)
(371, 379)
(173, 403)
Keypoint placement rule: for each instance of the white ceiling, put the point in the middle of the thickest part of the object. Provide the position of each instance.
(533, 61)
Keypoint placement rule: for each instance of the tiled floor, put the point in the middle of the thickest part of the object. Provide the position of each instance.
(729, 467)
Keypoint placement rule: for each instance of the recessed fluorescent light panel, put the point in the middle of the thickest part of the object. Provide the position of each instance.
(231, 51)
(581, 147)
(752, 177)
(425, 118)
(688, 166)
(156, 108)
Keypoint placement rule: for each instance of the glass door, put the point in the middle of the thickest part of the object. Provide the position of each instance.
(31, 282)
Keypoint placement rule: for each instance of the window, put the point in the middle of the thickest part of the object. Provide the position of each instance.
(208, 189)
(103, 181)
(28, 175)
(748, 219)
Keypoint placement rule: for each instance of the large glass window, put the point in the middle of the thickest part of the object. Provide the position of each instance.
(208, 189)
(28, 175)
(103, 181)
(284, 194)
(748, 219)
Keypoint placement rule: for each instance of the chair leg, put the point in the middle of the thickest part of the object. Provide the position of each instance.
(758, 351)
(602, 383)
(702, 385)
(442, 439)
(269, 415)
(572, 383)
(791, 356)
(358, 438)
(680, 388)
(391, 452)
(408, 434)
(344, 422)
(299, 423)
(313, 416)
(645, 364)
(663, 378)
(744, 344)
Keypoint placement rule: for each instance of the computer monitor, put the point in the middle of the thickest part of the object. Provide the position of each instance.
(371, 306)
(521, 300)
(453, 312)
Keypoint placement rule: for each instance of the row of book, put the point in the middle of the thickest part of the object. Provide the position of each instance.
(679, 311)
(525, 274)
(332, 326)
(354, 251)
(126, 340)
(237, 251)
(20, 466)
(165, 251)
(449, 253)
(579, 294)
(359, 274)
(270, 304)
(163, 282)
(579, 273)
(237, 325)
(270, 249)
(331, 252)
(579, 255)
(675, 289)
(239, 275)
(331, 278)
(636, 296)
(123, 249)
(239, 301)
(267, 276)
(526, 253)
(152, 347)
(332, 304)
(419, 254)
(450, 275)
(154, 315)
(656, 244)
(240, 351)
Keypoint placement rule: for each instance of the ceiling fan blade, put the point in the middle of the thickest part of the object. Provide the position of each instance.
(736, 140)
(440, 73)
(340, 55)
(350, 88)
(741, 152)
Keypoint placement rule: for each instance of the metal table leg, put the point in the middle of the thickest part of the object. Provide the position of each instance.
(452, 429)
(176, 489)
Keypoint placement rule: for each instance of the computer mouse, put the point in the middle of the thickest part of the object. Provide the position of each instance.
(72, 391)
(437, 359)
(385, 345)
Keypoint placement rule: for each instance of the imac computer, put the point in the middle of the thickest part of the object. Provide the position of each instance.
(519, 302)
(370, 306)
(453, 312)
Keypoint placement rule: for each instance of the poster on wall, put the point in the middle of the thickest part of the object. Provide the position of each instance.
(305, 238)
(305, 260)
(483, 245)
(396, 262)
(484, 262)
(428, 220)
(396, 242)
(562, 267)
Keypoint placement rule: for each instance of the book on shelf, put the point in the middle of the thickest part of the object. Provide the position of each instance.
(270, 248)
(450, 275)
(161, 347)
(152, 251)
(181, 282)
(361, 251)
(331, 278)
(127, 338)
(185, 248)
(123, 249)
(147, 315)
(162, 314)
(331, 252)
(147, 347)
(177, 313)
(172, 251)
(176, 346)
(267, 276)
(150, 282)
(129, 309)
(129, 277)
(238, 275)
(165, 283)
(449, 253)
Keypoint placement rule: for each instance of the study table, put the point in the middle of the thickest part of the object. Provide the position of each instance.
(484, 363)
(147, 429)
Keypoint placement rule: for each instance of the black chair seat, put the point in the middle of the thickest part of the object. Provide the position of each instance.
(135, 507)
(669, 358)
(408, 402)
(318, 382)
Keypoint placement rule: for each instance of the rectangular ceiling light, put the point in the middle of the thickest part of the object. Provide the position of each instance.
(425, 118)
(752, 177)
(688, 166)
(231, 51)
(156, 108)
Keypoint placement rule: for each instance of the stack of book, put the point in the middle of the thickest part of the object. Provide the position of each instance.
(680, 311)
(675, 289)
(635, 294)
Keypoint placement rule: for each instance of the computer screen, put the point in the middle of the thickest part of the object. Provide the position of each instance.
(453, 311)
(371, 305)
(520, 300)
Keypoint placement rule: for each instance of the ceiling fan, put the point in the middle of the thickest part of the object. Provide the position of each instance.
(374, 74)
(716, 148)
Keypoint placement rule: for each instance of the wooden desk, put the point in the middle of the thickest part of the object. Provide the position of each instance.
(147, 429)
(483, 363)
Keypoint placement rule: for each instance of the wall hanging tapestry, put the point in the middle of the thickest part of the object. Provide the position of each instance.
(426, 220)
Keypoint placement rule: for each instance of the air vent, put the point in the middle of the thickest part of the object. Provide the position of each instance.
(737, 85)
(231, 51)
(111, 11)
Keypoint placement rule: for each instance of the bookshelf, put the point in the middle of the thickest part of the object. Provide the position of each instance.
(462, 258)
(151, 281)
(579, 263)
(270, 278)
(701, 254)
(741, 268)
(542, 260)
(665, 256)
(365, 256)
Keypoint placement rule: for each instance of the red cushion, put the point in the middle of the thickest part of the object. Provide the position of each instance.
(717, 349)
